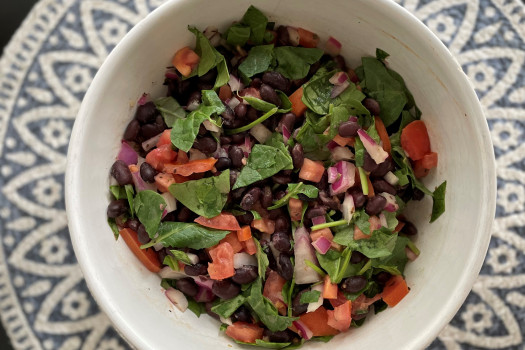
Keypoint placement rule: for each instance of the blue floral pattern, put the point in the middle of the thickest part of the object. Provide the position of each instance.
(47, 68)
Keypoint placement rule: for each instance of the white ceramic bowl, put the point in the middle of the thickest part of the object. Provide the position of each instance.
(452, 249)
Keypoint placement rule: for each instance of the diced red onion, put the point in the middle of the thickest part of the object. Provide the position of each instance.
(227, 321)
(293, 35)
(127, 154)
(177, 298)
(377, 152)
(261, 133)
(348, 207)
(171, 74)
(322, 245)
(353, 119)
(247, 147)
(303, 330)
(391, 178)
(375, 223)
(318, 220)
(331, 145)
(233, 102)
(164, 213)
(410, 254)
(143, 99)
(303, 250)
(333, 47)
(338, 78)
(151, 142)
(140, 184)
(203, 281)
(204, 295)
(333, 174)
(317, 304)
(286, 134)
(194, 104)
(382, 219)
(195, 154)
(171, 202)
(391, 204)
(208, 125)
(159, 246)
(338, 89)
(346, 180)
(341, 153)
(235, 84)
(249, 91)
(167, 272)
(241, 259)
(221, 152)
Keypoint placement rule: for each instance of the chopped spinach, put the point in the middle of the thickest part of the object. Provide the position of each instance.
(197, 308)
(258, 60)
(438, 201)
(181, 256)
(264, 106)
(149, 206)
(395, 262)
(225, 308)
(311, 296)
(113, 225)
(294, 62)
(119, 192)
(130, 192)
(257, 22)
(170, 109)
(262, 259)
(186, 235)
(237, 34)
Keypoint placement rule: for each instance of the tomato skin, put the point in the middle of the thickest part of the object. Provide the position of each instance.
(185, 60)
(147, 257)
(317, 322)
(231, 238)
(311, 170)
(264, 225)
(273, 289)
(298, 106)
(222, 265)
(295, 206)
(165, 138)
(340, 317)
(383, 135)
(244, 234)
(395, 290)
(422, 166)
(415, 140)
(245, 332)
(161, 155)
(164, 181)
(223, 221)
(307, 38)
(249, 246)
(191, 167)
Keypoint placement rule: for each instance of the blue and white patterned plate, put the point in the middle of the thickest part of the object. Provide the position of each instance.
(44, 73)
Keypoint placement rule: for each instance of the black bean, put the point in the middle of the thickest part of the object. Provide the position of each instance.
(147, 173)
(185, 215)
(133, 224)
(382, 277)
(205, 144)
(236, 155)
(354, 284)
(146, 113)
(159, 121)
(331, 202)
(276, 213)
(323, 183)
(225, 289)
(288, 120)
(202, 130)
(187, 286)
(250, 198)
(245, 274)
(256, 83)
(314, 68)
(117, 207)
(340, 62)
(297, 307)
(240, 110)
(357, 257)
(285, 336)
(132, 130)
(276, 80)
(252, 114)
(409, 229)
(242, 314)
(209, 77)
(268, 94)
(358, 196)
(203, 256)
(314, 212)
(359, 316)
(282, 224)
(143, 235)
(238, 193)
(121, 173)
(149, 130)
(383, 186)
(383, 168)
(208, 306)
(196, 269)
(194, 99)
(369, 164)
(278, 195)
(282, 178)
(172, 216)
(223, 163)
(233, 177)
(238, 138)
(417, 194)
(297, 155)
(281, 242)
(283, 37)
(228, 117)
(161, 254)
(348, 129)
(375, 205)
(372, 105)
(225, 140)
(245, 219)
(267, 197)
(285, 267)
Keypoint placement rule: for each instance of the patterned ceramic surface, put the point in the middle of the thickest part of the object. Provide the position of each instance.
(45, 71)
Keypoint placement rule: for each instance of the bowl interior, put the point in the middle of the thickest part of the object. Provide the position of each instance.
(452, 249)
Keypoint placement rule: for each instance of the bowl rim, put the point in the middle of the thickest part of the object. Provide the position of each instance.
(471, 270)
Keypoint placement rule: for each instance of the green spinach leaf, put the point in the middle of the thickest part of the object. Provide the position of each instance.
(237, 34)
(438, 201)
(149, 206)
(186, 235)
(395, 262)
(294, 62)
(170, 110)
(113, 225)
(381, 55)
(258, 60)
(257, 22)
(206, 196)
(311, 296)
(119, 192)
(130, 192)
(209, 58)
(380, 244)
(309, 191)
(197, 308)
(226, 308)
(181, 256)
(262, 259)
(264, 106)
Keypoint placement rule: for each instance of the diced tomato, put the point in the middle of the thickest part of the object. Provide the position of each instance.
(324, 232)
(249, 246)
(415, 140)
(273, 289)
(182, 157)
(383, 135)
(395, 290)
(160, 156)
(234, 242)
(329, 288)
(307, 38)
(185, 60)
(399, 226)
(222, 265)
(163, 181)
(343, 141)
(352, 75)
(225, 92)
(340, 317)
(298, 106)
(191, 167)
(419, 170)
(180, 179)
(165, 138)
(244, 234)
(317, 322)
(295, 207)
(250, 91)
(223, 221)
(358, 234)
(361, 303)
(341, 299)
(264, 225)
(148, 257)
(422, 166)
(311, 170)
(245, 332)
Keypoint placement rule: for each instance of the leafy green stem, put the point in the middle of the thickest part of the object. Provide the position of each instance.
(364, 181)
(413, 247)
(285, 199)
(315, 267)
(365, 267)
(252, 124)
(329, 224)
